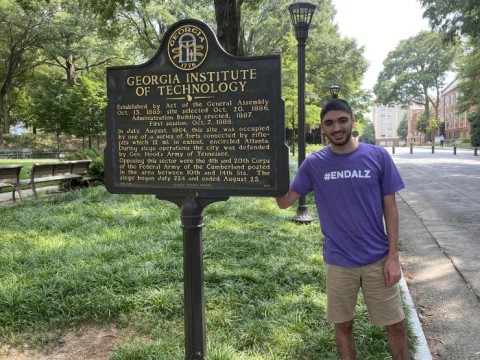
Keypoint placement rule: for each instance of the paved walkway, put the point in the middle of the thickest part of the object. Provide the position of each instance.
(6, 197)
(440, 243)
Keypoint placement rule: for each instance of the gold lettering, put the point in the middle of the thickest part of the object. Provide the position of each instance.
(150, 80)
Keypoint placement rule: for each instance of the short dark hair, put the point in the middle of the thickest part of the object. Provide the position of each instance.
(336, 104)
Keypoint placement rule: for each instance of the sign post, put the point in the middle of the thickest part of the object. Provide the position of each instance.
(194, 303)
(195, 125)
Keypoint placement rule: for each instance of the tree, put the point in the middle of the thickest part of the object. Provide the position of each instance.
(87, 101)
(413, 69)
(433, 125)
(146, 23)
(75, 41)
(120, 32)
(402, 129)
(474, 118)
(453, 17)
(229, 32)
(50, 108)
(335, 60)
(138, 13)
(341, 60)
(21, 32)
(52, 105)
(469, 73)
(422, 124)
(459, 19)
(368, 135)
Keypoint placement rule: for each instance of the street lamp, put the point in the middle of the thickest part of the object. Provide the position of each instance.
(334, 91)
(301, 13)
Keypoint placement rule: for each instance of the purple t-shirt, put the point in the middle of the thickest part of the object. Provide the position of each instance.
(348, 191)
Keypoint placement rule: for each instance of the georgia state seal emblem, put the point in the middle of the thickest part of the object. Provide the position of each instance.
(187, 47)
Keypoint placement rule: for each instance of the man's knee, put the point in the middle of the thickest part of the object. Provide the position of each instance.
(344, 327)
(397, 329)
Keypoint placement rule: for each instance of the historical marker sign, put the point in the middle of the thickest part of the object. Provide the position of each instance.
(196, 121)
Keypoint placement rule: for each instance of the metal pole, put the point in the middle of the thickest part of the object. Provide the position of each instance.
(194, 302)
(193, 296)
(302, 215)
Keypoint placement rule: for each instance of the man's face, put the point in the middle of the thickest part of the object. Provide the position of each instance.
(337, 126)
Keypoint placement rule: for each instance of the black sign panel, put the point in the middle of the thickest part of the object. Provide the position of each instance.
(196, 121)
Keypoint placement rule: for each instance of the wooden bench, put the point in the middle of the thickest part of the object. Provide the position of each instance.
(55, 171)
(8, 154)
(10, 177)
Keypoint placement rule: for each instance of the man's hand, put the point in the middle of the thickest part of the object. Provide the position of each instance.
(288, 199)
(392, 270)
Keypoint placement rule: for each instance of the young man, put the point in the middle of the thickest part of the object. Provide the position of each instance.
(354, 186)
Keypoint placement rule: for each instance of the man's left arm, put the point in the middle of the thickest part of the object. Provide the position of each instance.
(392, 270)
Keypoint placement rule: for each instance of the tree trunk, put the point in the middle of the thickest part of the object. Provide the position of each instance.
(57, 136)
(4, 116)
(229, 32)
(428, 133)
(71, 70)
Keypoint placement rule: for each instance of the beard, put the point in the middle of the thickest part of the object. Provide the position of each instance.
(342, 141)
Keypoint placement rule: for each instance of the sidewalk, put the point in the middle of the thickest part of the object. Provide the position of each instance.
(440, 247)
(6, 197)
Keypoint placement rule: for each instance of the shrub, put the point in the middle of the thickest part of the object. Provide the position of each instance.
(96, 171)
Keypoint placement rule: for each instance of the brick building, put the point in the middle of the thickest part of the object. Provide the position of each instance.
(454, 125)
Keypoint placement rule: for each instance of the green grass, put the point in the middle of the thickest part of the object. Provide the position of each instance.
(98, 258)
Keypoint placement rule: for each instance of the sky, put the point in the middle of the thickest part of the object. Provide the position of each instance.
(379, 25)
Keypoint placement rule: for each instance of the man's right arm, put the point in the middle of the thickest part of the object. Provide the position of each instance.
(288, 199)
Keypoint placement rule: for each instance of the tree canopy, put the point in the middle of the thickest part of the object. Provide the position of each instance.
(459, 21)
(413, 70)
(453, 18)
(402, 129)
(21, 33)
(469, 100)
(54, 53)
(368, 135)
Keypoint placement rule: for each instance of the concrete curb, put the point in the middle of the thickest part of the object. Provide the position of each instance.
(422, 351)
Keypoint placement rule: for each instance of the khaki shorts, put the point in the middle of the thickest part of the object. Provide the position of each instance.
(384, 304)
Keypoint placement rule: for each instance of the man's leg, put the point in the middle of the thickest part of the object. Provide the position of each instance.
(397, 340)
(345, 340)
(385, 308)
(343, 284)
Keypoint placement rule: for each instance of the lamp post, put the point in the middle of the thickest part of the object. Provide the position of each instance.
(334, 91)
(301, 13)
